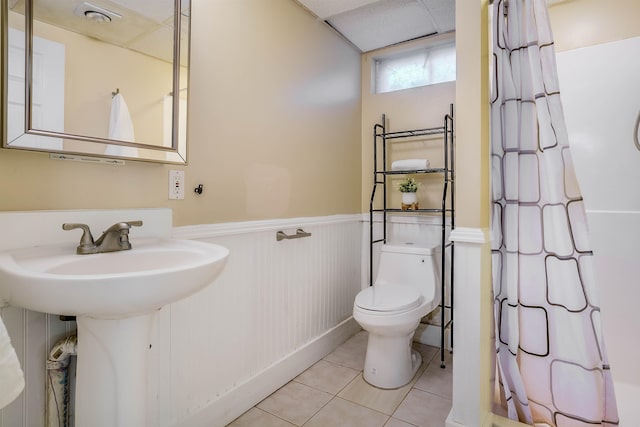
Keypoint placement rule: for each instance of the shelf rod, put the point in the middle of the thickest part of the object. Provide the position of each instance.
(413, 133)
(405, 172)
(436, 210)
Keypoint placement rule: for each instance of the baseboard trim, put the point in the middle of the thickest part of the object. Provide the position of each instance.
(451, 423)
(246, 395)
(430, 335)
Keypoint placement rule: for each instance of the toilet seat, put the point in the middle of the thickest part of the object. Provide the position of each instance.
(388, 298)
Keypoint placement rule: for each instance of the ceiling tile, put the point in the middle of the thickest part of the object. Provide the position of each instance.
(384, 23)
(158, 10)
(324, 9)
(443, 13)
(158, 43)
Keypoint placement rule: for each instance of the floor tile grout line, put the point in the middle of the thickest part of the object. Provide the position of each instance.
(335, 364)
(354, 403)
(334, 395)
(316, 413)
(305, 385)
(432, 393)
(274, 415)
(316, 388)
(339, 364)
(393, 418)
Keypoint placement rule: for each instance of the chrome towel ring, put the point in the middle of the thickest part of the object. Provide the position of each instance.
(636, 128)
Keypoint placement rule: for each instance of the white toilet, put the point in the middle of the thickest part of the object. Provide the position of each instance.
(406, 289)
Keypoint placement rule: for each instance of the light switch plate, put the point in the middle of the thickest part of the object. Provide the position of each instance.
(176, 185)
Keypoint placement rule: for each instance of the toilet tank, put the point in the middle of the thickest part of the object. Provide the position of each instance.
(410, 265)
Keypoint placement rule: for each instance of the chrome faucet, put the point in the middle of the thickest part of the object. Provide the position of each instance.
(114, 238)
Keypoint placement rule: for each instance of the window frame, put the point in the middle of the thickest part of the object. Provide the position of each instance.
(408, 53)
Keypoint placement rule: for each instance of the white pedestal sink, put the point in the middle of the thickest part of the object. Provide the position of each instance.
(114, 297)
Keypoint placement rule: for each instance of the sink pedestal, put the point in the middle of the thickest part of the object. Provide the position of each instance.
(111, 378)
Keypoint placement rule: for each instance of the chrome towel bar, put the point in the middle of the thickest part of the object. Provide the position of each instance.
(281, 235)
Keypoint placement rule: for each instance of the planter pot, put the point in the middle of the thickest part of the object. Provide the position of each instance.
(409, 198)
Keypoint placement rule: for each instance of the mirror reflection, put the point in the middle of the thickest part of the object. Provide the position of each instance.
(103, 77)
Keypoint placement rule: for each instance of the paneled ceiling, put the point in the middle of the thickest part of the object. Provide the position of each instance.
(373, 24)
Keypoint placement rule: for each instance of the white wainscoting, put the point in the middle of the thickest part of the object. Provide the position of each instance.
(224, 349)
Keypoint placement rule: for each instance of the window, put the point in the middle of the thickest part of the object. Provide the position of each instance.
(427, 66)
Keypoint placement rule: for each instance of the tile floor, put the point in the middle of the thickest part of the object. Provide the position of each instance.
(332, 393)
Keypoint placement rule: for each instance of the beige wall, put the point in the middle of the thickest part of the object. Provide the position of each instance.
(274, 128)
(472, 114)
(417, 108)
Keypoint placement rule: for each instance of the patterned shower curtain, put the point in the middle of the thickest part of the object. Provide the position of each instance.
(551, 362)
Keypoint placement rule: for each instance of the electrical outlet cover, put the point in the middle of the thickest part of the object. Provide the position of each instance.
(176, 185)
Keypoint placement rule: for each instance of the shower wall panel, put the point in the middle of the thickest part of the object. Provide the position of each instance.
(601, 97)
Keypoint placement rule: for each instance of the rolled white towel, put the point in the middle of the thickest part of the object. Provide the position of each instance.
(410, 164)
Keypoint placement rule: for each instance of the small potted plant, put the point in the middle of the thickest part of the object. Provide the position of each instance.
(408, 188)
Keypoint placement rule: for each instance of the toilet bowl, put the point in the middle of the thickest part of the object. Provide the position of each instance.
(406, 289)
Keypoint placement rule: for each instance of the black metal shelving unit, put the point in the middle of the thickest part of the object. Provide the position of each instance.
(380, 175)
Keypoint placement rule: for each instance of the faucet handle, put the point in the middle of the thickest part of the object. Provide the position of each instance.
(123, 226)
(122, 231)
(86, 241)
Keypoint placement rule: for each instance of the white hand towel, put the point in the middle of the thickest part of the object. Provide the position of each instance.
(410, 164)
(120, 128)
(120, 125)
(11, 376)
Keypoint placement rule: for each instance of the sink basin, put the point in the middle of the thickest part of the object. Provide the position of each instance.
(156, 272)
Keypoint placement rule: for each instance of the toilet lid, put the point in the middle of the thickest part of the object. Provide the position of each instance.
(388, 298)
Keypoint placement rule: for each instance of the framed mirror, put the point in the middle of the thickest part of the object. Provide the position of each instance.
(104, 78)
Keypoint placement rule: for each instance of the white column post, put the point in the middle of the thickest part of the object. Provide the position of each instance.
(472, 314)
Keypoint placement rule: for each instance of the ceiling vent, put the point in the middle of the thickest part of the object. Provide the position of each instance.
(95, 13)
